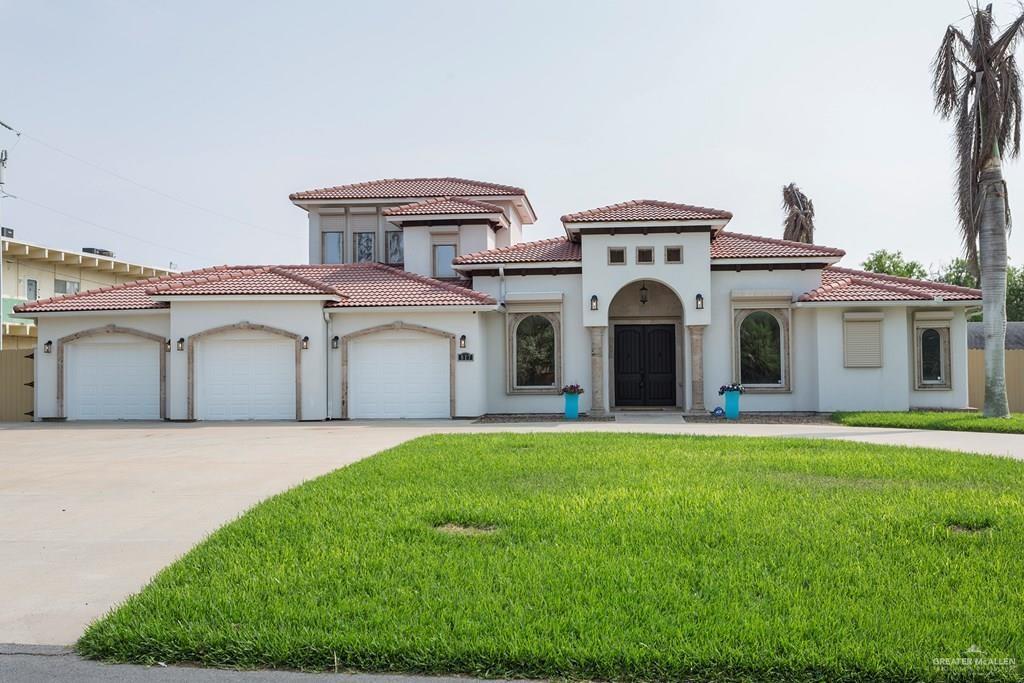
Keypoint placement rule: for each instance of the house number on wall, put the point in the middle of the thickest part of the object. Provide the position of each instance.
(465, 356)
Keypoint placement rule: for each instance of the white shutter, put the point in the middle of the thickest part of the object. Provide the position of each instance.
(862, 340)
(363, 222)
(332, 223)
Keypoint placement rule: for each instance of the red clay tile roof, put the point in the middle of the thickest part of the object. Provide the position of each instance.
(397, 188)
(645, 210)
(848, 285)
(375, 284)
(357, 284)
(737, 245)
(555, 249)
(255, 280)
(443, 205)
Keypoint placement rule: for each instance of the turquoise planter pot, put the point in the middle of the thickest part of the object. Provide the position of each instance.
(732, 405)
(572, 406)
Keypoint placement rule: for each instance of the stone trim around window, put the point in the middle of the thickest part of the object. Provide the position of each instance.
(100, 331)
(645, 261)
(669, 249)
(940, 323)
(512, 321)
(620, 252)
(783, 316)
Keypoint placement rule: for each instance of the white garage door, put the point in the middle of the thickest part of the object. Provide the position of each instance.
(400, 374)
(112, 380)
(245, 378)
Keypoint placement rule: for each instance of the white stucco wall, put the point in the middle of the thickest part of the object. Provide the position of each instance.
(52, 328)
(470, 376)
(575, 344)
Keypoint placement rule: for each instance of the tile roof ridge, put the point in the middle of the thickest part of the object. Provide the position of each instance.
(512, 247)
(825, 287)
(644, 202)
(776, 240)
(311, 282)
(898, 279)
(379, 181)
(216, 274)
(440, 200)
(450, 286)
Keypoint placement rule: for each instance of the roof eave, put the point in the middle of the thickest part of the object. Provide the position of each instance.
(527, 265)
(576, 226)
(481, 307)
(497, 219)
(816, 260)
(928, 303)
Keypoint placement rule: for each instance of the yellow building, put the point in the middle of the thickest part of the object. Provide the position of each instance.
(31, 272)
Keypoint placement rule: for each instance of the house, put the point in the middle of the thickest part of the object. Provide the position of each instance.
(423, 298)
(32, 271)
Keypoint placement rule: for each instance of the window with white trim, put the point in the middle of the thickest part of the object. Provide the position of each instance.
(862, 340)
(444, 254)
(645, 256)
(673, 254)
(535, 364)
(932, 359)
(66, 286)
(616, 256)
(761, 349)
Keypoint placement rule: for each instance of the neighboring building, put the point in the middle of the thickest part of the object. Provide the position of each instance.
(421, 299)
(31, 272)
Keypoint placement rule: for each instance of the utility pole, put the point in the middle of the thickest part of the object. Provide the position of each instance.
(3, 167)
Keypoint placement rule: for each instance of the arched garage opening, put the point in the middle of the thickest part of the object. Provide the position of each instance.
(398, 370)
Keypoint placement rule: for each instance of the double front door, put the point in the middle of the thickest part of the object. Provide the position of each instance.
(645, 365)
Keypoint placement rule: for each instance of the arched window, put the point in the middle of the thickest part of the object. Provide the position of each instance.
(535, 352)
(760, 349)
(931, 355)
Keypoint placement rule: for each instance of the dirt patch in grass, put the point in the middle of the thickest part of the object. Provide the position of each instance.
(969, 526)
(463, 530)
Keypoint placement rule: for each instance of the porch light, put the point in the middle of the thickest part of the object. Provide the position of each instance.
(181, 343)
(335, 341)
(593, 303)
(700, 302)
(643, 293)
(167, 345)
(462, 342)
(305, 342)
(48, 347)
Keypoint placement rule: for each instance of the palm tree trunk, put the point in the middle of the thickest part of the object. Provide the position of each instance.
(992, 254)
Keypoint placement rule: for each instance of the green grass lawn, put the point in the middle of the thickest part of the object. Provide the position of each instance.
(944, 420)
(607, 556)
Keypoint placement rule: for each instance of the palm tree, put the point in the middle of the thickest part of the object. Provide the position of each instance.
(976, 84)
(799, 223)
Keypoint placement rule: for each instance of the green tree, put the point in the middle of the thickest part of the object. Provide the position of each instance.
(893, 263)
(977, 85)
(958, 272)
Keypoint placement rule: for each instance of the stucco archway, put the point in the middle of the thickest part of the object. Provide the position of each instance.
(390, 327)
(253, 327)
(100, 331)
(648, 325)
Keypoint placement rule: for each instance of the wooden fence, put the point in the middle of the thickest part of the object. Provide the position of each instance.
(16, 385)
(1014, 378)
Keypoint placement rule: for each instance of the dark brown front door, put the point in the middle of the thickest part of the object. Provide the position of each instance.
(645, 365)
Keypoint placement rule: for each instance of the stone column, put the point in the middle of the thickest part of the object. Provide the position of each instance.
(597, 370)
(696, 367)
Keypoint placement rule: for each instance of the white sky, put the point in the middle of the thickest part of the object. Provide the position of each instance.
(232, 105)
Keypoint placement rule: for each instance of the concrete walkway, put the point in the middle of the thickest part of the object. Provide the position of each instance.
(92, 511)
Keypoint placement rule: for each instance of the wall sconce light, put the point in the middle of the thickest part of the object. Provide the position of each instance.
(181, 343)
(305, 342)
(593, 303)
(462, 342)
(700, 302)
(48, 347)
(643, 293)
(167, 346)
(335, 341)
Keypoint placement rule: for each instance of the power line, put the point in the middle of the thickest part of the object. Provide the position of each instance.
(98, 225)
(148, 188)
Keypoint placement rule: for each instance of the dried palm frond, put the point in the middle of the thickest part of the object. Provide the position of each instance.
(798, 225)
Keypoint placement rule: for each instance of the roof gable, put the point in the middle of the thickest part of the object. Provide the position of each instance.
(399, 188)
(645, 210)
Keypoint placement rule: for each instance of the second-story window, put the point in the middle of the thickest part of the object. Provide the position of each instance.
(444, 254)
(66, 286)
(362, 246)
(393, 247)
(333, 250)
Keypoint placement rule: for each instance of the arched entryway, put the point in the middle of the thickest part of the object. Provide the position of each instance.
(645, 320)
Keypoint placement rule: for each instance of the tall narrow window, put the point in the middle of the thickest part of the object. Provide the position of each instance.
(31, 289)
(362, 246)
(333, 247)
(393, 247)
(444, 254)
(931, 356)
(535, 352)
(760, 349)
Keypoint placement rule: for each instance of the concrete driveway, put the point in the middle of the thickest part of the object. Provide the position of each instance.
(91, 512)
